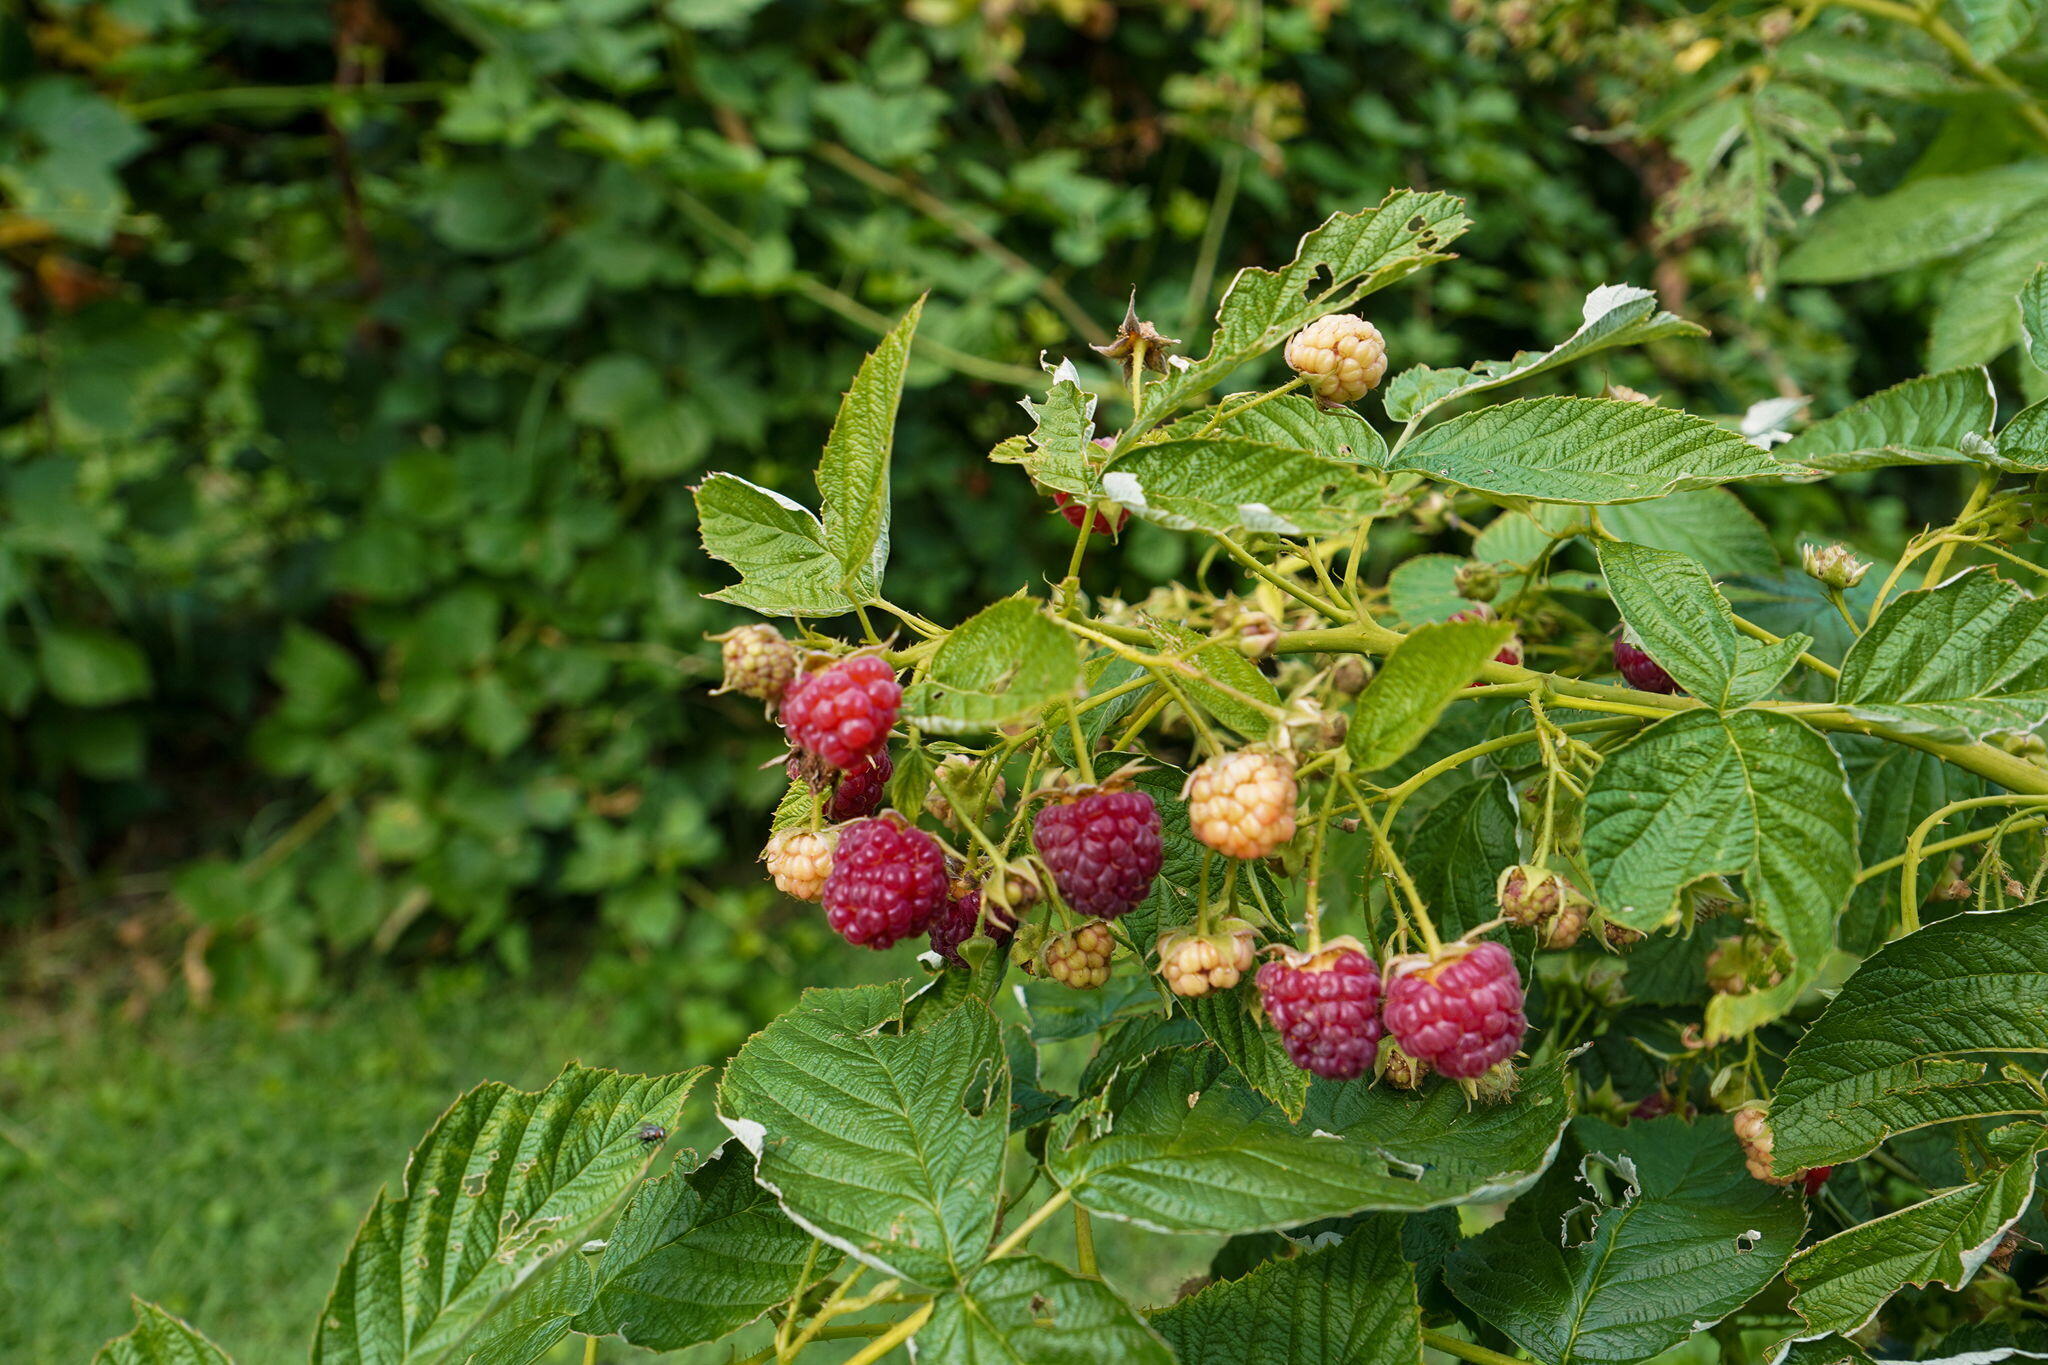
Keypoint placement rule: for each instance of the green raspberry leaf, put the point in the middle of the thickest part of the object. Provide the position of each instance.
(1911, 1039)
(1936, 419)
(1688, 628)
(1747, 793)
(853, 475)
(786, 568)
(505, 1181)
(1024, 1310)
(1613, 315)
(1681, 1236)
(1000, 665)
(1180, 1143)
(882, 1139)
(1226, 484)
(1419, 679)
(160, 1339)
(1349, 1304)
(1589, 450)
(1841, 1283)
(694, 1256)
(2034, 316)
(1961, 660)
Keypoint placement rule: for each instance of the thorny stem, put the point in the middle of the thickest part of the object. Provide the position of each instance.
(1072, 582)
(1286, 585)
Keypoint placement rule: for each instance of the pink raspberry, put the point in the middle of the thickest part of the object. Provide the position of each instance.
(1326, 1009)
(1102, 849)
(957, 919)
(888, 880)
(843, 713)
(799, 861)
(1511, 652)
(1638, 669)
(1461, 1013)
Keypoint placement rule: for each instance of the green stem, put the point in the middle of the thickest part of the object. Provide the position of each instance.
(1022, 1232)
(1292, 589)
(1909, 867)
(1981, 490)
(1224, 414)
(1465, 1350)
(1820, 666)
(1084, 1242)
(1082, 759)
(891, 1339)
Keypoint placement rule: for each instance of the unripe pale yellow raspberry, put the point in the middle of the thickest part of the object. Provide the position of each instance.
(1342, 355)
(1242, 804)
(1753, 1131)
(799, 860)
(1194, 965)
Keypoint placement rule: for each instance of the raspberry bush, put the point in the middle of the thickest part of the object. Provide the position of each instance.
(1603, 874)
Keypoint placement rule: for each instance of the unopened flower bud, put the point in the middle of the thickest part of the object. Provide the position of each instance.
(1833, 566)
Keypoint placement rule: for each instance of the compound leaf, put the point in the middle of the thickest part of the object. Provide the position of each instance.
(785, 567)
(1687, 626)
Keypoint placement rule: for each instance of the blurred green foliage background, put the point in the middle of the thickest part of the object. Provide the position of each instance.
(355, 358)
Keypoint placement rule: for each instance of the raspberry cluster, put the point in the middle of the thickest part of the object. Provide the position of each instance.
(1342, 356)
(843, 713)
(799, 860)
(1102, 849)
(1242, 804)
(888, 879)
(1326, 1008)
(759, 663)
(1080, 959)
(1461, 1012)
(1540, 899)
(1638, 669)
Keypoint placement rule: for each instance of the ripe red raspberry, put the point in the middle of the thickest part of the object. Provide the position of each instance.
(843, 713)
(1461, 1013)
(1242, 804)
(958, 918)
(1102, 849)
(1511, 652)
(1326, 1008)
(1196, 964)
(1638, 669)
(859, 790)
(888, 880)
(759, 663)
(799, 860)
(1105, 524)
(1080, 959)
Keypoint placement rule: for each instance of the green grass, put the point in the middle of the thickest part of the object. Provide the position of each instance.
(219, 1164)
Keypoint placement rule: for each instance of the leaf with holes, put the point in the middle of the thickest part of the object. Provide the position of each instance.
(503, 1182)
(1676, 1236)
(884, 1141)
(1182, 1144)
